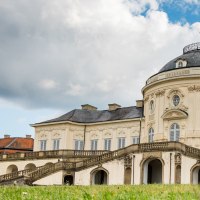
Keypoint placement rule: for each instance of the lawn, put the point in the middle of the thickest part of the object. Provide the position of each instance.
(142, 192)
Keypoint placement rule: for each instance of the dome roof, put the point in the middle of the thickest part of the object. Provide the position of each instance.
(191, 54)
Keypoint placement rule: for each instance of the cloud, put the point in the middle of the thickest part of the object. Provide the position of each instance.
(64, 53)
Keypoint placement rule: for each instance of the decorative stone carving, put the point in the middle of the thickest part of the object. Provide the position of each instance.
(43, 136)
(146, 98)
(128, 161)
(175, 92)
(56, 135)
(160, 92)
(152, 154)
(78, 136)
(177, 159)
(94, 136)
(107, 135)
(121, 134)
(194, 88)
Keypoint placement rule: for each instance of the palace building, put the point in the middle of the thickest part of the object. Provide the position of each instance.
(156, 141)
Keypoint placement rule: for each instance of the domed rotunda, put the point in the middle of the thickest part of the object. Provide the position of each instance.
(172, 100)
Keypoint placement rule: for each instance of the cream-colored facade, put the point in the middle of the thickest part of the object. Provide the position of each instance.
(156, 141)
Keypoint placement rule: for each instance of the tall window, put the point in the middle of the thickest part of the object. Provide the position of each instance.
(94, 145)
(151, 134)
(107, 144)
(78, 144)
(43, 144)
(136, 140)
(174, 132)
(56, 144)
(121, 142)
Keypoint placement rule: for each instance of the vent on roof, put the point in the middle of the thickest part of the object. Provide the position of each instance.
(88, 107)
(139, 103)
(113, 106)
(28, 136)
(6, 136)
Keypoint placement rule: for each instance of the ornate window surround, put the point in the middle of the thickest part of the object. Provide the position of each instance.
(171, 95)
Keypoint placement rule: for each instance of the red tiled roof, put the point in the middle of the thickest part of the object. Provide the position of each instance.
(16, 143)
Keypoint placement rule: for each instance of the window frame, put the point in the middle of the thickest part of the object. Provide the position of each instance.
(56, 144)
(174, 133)
(151, 135)
(78, 145)
(107, 144)
(121, 142)
(43, 145)
(94, 144)
(135, 139)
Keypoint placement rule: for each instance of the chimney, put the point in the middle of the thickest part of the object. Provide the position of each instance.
(113, 106)
(28, 136)
(88, 107)
(139, 103)
(6, 136)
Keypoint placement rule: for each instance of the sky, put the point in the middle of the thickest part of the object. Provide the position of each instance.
(57, 55)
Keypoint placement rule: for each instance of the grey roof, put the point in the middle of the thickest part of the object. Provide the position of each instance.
(192, 58)
(92, 116)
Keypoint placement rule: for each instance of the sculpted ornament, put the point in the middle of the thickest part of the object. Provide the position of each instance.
(152, 155)
(160, 92)
(177, 158)
(175, 92)
(194, 88)
(146, 98)
(128, 161)
(43, 136)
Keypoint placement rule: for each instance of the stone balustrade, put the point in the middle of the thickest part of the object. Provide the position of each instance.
(49, 154)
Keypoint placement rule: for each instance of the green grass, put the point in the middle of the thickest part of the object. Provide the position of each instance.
(142, 192)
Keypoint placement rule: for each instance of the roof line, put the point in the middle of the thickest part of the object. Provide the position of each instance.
(88, 123)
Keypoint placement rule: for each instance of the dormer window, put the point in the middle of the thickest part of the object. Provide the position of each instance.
(181, 63)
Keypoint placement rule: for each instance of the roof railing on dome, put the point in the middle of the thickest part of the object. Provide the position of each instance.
(191, 47)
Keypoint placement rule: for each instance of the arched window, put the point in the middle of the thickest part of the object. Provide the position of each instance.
(174, 132)
(151, 134)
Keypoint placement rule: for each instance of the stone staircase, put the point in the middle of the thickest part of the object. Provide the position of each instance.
(29, 176)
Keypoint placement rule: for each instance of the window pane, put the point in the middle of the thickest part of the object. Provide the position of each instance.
(107, 144)
(81, 145)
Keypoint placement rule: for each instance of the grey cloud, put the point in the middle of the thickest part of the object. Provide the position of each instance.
(62, 54)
